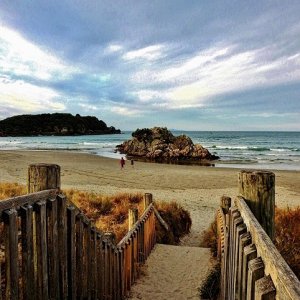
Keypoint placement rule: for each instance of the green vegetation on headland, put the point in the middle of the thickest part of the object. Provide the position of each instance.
(54, 124)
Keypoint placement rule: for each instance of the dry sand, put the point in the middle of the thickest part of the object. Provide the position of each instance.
(198, 189)
(177, 281)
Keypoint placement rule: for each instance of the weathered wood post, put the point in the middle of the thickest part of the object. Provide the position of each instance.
(258, 189)
(43, 177)
(132, 217)
(110, 236)
(225, 204)
(148, 198)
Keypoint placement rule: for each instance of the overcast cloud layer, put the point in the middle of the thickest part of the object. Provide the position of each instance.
(194, 65)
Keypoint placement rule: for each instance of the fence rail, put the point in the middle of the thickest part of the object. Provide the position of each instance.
(50, 250)
(251, 266)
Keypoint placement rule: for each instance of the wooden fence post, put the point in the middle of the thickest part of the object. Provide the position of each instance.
(148, 198)
(225, 204)
(43, 177)
(132, 217)
(110, 236)
(258, 190)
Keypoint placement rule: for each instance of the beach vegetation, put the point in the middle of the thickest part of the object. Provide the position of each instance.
(178, 220)
(54, 124)
(210, 287)
(9, 189)
(210, 238)
(110, 212)
(287, 236)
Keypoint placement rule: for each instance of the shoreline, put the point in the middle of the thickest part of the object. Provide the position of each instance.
(67, 158)
(198, 189)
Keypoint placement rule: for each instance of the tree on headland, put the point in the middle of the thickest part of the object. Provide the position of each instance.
(54, 124)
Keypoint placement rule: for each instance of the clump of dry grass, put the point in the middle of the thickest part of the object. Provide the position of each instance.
(210, 238)
(210, 287)
(287, 233)
(287, 237)
(8, 190)
(110, 213)
(177, 218)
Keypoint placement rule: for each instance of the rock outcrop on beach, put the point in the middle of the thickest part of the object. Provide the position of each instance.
(54, 124)
(159, 144)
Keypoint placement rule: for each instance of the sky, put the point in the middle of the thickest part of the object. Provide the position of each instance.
(183, 64)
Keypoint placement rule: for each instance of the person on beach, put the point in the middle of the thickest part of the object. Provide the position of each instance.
(122, 162)
(132, 163)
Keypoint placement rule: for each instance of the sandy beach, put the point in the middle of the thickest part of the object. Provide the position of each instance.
(196, 188)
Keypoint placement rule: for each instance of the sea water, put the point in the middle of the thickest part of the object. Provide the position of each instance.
(257, 150)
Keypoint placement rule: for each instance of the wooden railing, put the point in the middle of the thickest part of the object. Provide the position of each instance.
(50, 250)
(251, 266)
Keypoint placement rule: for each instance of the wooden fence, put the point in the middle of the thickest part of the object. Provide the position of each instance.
(50, 250)
(251, 266)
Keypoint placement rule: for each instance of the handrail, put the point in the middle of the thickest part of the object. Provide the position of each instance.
(29, 199)
(161, 220)
(134, 228)
(282, 276)
(73, 258)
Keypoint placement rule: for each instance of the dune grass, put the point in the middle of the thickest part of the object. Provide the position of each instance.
(110, 213)
(210, 238)
(177, 218)
(8, 189)
(287, 236)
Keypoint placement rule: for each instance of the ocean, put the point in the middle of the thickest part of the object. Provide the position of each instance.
(237, 149)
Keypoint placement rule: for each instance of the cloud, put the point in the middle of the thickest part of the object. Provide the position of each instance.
(88, 107)
(159, 60)
(22, 58)
(194, 81)
(150, 53)
(113, 48)
(125, 111)
(25, 97)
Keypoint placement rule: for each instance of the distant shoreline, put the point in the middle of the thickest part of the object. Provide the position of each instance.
(219, 164)
(258, 150)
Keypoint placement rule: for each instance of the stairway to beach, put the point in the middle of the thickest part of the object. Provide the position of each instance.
(172, 272)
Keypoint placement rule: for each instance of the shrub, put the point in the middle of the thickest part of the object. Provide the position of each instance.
(8, 190)
(287, 233)
(210, 287)
(110, 213)
(177, 218)
(287, 237)
(210, 238)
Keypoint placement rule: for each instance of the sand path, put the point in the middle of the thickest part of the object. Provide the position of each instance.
(173, 272)
(197, 189)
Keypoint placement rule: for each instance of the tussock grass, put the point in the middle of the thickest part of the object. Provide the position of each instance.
(210, 238)
(8, 190)
(110, 213)
(177, 218)
(287, 236)
(210, 287)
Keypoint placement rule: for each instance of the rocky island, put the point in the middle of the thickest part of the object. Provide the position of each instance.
(160, 145)
(54, 124)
